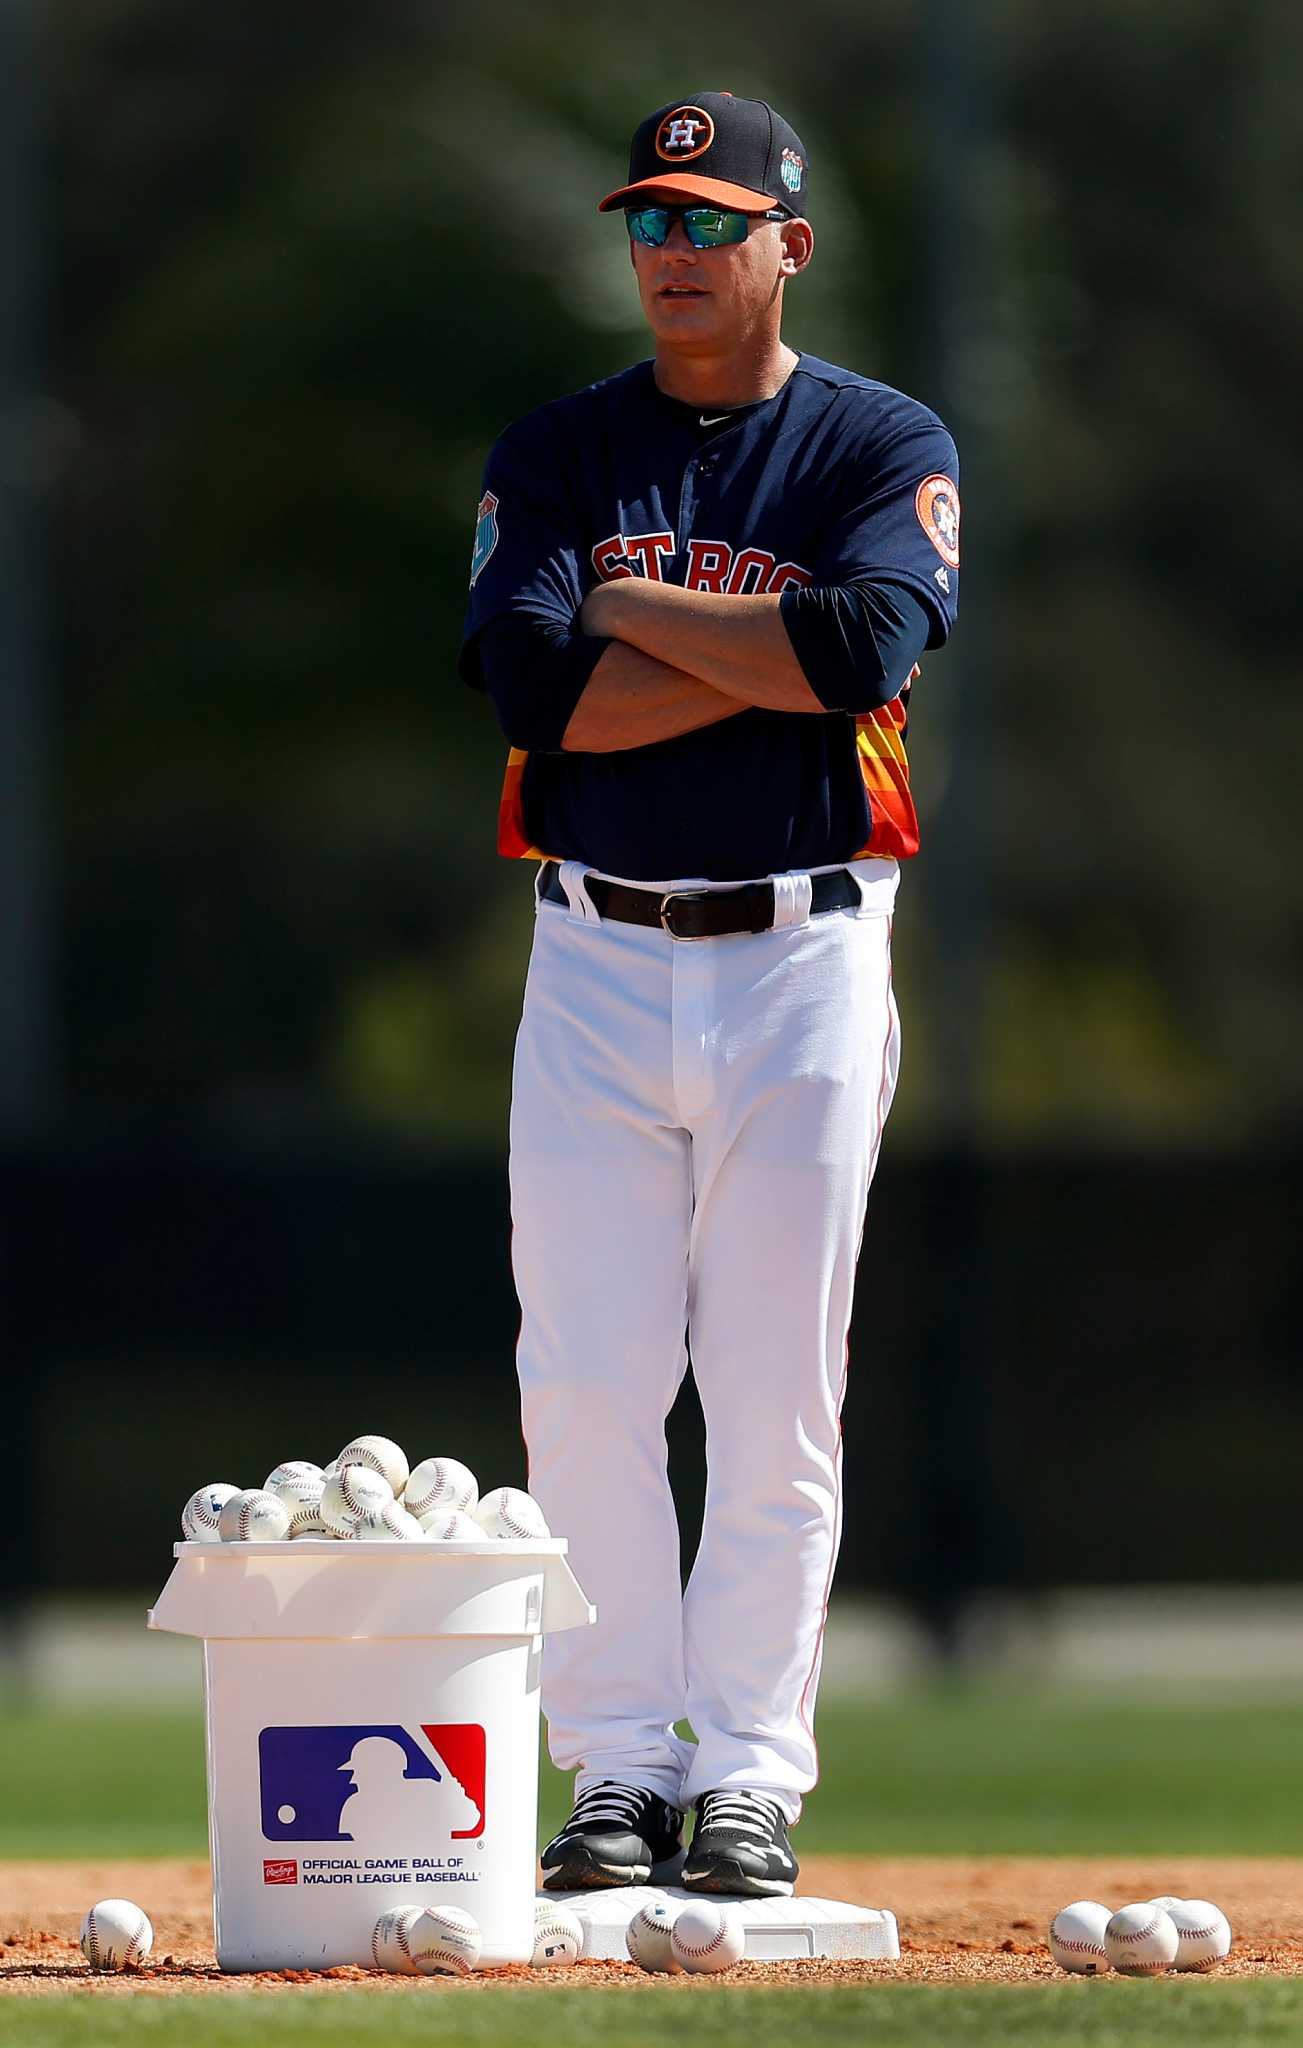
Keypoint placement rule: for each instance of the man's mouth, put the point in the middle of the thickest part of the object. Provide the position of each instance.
(681, 291)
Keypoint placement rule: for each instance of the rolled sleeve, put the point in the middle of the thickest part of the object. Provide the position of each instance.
(856, 642)
(535, 671)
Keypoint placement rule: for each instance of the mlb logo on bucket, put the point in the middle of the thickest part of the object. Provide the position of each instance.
(373, 1782)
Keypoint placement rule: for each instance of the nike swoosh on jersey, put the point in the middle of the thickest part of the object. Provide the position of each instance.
(713, 419)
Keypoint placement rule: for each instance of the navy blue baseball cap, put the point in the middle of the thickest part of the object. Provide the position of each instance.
(717, 150)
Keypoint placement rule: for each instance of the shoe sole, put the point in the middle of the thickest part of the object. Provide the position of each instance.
(584, 1872)
(723, 1875)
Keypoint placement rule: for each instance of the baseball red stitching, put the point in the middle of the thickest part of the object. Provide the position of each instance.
(690, 1950)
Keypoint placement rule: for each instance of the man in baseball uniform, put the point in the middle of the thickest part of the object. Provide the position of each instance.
(699, 592)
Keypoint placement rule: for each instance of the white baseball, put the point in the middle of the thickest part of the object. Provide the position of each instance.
(310, 1524)
(116, 1933)
(1077, 1938)
(386, 1952)
(379, 1454)
(511, 1515)
(441, 1938)
(1140, 1941)
(708, 1936)
(1203, 1933)
(288, 1474)
(354, 1491)
(647, 1938)
(302, 1497)
(254, 1517)
(388, 1524)
(201, 1513)
(440, 1483)
(450, 1525)
(558, 1936)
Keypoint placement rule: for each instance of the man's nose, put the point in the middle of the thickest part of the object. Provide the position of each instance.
(677, 241)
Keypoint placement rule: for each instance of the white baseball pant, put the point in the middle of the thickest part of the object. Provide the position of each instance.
(694, 1127)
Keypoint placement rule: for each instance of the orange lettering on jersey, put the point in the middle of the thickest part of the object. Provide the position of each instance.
(788, 572)
(750, 570)
(649, 550)
(708, 565)
(609, 558)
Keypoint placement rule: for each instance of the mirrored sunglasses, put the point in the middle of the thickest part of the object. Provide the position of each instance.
(706, 227)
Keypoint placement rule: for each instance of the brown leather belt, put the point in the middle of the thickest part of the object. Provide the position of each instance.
(699, 913)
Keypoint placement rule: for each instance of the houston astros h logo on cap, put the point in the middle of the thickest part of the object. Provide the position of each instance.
(684, 133)
(716, 150)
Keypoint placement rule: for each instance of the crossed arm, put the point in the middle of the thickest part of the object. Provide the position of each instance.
(679, 660)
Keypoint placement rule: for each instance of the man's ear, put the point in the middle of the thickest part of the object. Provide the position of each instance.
(797, 239)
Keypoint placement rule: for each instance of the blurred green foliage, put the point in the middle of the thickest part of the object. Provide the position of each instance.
(307, 260)
(975, 1770)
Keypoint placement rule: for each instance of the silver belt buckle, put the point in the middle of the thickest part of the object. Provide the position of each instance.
(683, 896)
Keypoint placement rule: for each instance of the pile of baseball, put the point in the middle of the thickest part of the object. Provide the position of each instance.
(412, 1941)
(429, 1941)
(667, 1936)
(1144, 1940)
(368, 1494)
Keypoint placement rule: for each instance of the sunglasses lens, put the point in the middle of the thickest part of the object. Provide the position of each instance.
(708, 228)
(649, 224)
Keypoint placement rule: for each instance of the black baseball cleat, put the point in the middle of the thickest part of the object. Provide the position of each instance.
(617, 1834)
(740, 1847)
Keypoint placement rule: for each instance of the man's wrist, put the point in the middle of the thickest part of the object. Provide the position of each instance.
(598, 615)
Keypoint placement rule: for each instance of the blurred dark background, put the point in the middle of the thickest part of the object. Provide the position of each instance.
(273, 279)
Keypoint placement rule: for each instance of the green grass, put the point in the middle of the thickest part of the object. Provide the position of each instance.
(1104, 2015)
(945, 1772)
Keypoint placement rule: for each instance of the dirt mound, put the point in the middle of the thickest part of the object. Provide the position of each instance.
(960, 1919)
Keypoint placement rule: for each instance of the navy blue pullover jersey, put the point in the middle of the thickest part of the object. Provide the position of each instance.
(835, 485)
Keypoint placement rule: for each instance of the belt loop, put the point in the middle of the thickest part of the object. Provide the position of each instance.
(571, 877)
(792, 897)
(876, 881)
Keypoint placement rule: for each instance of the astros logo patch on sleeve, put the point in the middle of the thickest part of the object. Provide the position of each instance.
(936, 502)
(486, 533)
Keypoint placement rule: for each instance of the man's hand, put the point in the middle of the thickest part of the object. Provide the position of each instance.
(738, 645)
